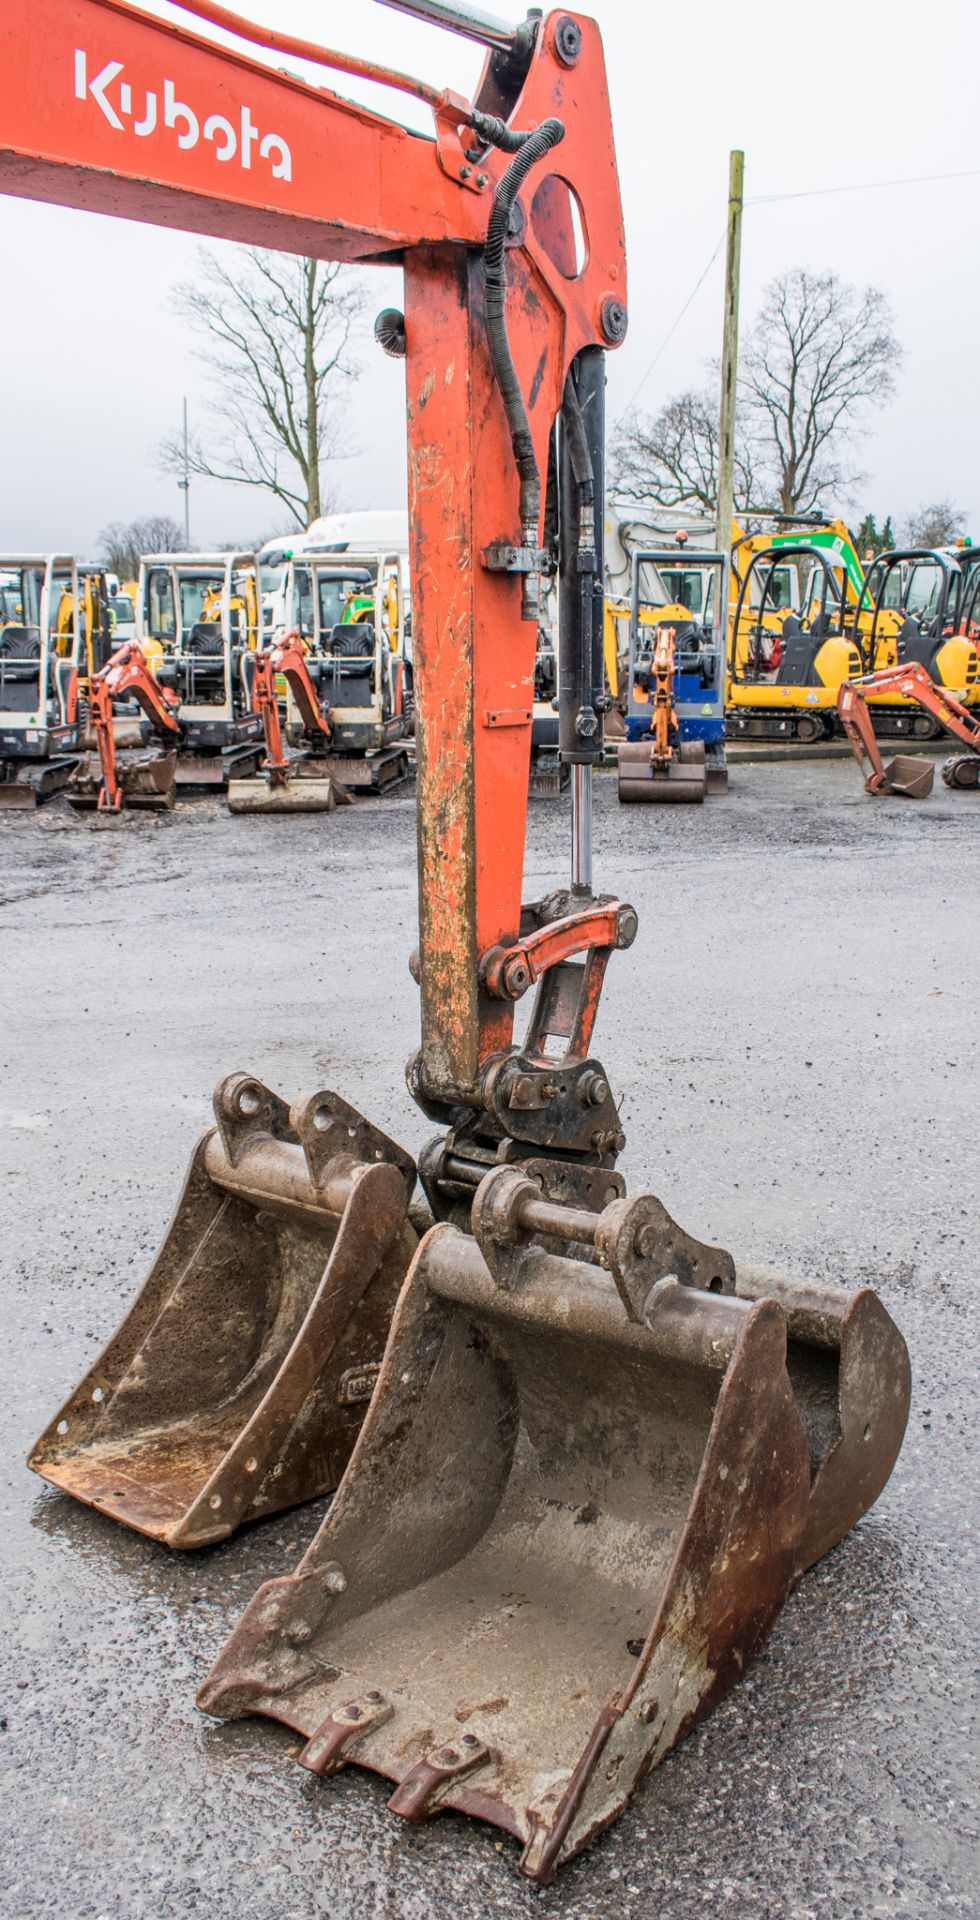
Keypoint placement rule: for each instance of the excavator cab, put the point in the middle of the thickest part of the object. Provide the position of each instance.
(918, 608)
(41, 660)
(675, 718)
(173, 707)
(352, 613)
(786, 662)
(197, 621)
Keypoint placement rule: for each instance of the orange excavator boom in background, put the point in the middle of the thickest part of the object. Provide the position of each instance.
(909, 774)
(148, 779)
(289, 783)
(595, 1457)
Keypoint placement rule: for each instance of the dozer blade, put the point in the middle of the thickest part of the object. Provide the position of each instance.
(146, 780)
(909, 774)
(580, 1496)
(27, 783)
(237, 1383)
(308, 789)
(684, 777)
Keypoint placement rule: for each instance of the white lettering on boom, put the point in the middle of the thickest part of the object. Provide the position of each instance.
(229, 140)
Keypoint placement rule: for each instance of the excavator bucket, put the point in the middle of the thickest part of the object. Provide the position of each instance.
(308, 789)
(237, 1383)
(146, 779)
(684, 777)
(910, 774)
(586, 1483)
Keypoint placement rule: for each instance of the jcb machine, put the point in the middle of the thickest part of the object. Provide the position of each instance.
(909, 774)
(786, 662)
(189, 673)
(595, 1457)
(338, 627)
(41, 659)
(918, 607)
(675, 720)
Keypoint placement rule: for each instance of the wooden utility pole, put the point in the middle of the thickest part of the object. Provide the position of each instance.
(729, 356)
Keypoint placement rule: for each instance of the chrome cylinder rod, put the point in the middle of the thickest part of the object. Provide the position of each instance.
(582, 826)
(472, 22)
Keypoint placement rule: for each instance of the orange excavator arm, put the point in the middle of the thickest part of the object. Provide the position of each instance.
(664, 723)
(908, 774)
(288, 658)
(127, 676)
(515, 284)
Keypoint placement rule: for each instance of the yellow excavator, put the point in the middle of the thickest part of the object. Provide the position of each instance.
(918, 606)
(795, 599)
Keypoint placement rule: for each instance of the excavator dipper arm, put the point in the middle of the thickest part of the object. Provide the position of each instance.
(127, 676)
(908, 774)
(515, 268)
(288, 658)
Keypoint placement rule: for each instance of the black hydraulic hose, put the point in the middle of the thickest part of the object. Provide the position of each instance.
(496, 133)
(533, 148)
(578, 443)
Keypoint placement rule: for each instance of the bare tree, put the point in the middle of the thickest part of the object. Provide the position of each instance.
(820, 358)
(937, 525)
(123, 542)
(670, 459)
(277, 331)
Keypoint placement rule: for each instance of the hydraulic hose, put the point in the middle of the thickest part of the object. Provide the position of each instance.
(532, 148)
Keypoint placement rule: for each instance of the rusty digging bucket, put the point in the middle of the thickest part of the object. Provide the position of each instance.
(146, 779)
(585, 1485)
(684, 777)
(909, 774)
(238, 1381)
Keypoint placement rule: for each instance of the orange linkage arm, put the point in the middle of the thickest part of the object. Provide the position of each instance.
(265, 701)
(287, 657)
(916, 683)
(859, 728)
(663, 701)
(127, 673)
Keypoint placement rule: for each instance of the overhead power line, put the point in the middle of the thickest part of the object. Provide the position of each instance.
(773, 199)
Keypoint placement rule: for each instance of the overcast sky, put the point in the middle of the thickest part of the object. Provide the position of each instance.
(95, 363)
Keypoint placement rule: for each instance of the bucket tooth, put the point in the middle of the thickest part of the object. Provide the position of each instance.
(421, 1793)
(329, 1749)
(237, 1382)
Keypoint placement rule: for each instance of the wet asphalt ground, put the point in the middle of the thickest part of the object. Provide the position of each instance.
(795, 1035)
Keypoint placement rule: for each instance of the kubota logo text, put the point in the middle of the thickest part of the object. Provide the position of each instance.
(230, 140)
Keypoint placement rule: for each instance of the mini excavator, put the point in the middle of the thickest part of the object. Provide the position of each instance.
(108, 779)
(580, 1457)
(909, 774)
(674, 748)
(188, 672)
(299, 783)
(41, 661)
